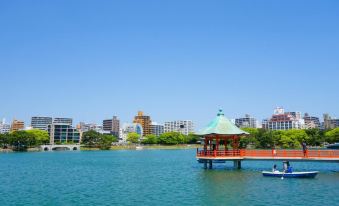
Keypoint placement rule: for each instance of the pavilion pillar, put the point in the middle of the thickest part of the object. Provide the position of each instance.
(205, 164)
(205, 147)
(210, 164)
(225, 143)
(233, 145)
(237, 164)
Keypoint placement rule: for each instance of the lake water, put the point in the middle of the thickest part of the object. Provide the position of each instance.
(154, 177)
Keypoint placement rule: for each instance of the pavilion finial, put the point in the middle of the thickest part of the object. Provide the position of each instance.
(220, 113)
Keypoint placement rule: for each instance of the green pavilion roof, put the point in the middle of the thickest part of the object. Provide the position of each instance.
(222, 126)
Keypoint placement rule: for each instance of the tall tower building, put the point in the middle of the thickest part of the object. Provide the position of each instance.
(112, 126)
(145, 122)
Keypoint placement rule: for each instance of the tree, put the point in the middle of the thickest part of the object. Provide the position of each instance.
(171, 138)
(192, 138)
(91, 138)
(105, 141)
(150, 139)
(250, 139)
(21, 140)
(292, 138)
(315, 137)
(41, 137)
(4, 140)
(133, 137)
(332, 136)
(265, 139)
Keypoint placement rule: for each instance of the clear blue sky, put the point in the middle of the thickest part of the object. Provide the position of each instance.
(176, 59)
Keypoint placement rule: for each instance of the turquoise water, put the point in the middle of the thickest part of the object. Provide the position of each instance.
(154, 177)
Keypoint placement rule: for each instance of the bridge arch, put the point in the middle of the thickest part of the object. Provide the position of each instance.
(60, 148)
(74, 147)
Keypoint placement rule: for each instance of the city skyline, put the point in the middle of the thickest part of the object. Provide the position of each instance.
(179, 60)
(76, 122)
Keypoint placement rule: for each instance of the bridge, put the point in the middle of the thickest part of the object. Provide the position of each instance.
(55, 147)
(210, 156)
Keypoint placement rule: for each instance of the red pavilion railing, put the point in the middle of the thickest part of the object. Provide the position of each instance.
(269, 153)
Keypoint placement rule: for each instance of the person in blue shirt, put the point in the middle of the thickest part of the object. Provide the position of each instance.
(289, 169)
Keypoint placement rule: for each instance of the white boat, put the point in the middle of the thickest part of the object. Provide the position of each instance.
(139, 148)
(310, 174)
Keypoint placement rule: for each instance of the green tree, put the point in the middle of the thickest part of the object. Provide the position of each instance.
(40, 137)
(292, 138)
(315, 137)
(150, 139)
(332, 136)
(250, 139)
(133, 137)
(4, 140)
(171, 138)
(21, 140)
(105, 141)
(91, 138)
(265, 139)
(192, 138)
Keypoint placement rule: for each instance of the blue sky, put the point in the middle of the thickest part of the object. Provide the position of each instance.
(172, 59)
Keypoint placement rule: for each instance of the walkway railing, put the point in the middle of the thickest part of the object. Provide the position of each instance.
(269, 153)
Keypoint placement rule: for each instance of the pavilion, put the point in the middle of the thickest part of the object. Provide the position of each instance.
(216, 137)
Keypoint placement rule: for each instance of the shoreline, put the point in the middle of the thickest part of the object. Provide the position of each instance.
(118, 147)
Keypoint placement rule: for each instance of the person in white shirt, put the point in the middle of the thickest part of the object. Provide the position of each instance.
(274, 169)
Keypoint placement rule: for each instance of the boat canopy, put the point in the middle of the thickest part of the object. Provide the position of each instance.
(221, 126)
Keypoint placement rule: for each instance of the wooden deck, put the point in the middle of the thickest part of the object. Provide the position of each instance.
(290, 155)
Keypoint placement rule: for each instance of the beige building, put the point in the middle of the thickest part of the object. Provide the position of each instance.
(17, 125)
(145, 122)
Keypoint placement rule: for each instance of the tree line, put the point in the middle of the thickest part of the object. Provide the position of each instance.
(288, 139)
(168, 138)
(22, 140)
(258, 138)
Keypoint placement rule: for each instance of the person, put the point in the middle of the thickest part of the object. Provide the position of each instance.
(304, 146)
(274, 151)
(289, 169)
(275, 168)
(286, 165)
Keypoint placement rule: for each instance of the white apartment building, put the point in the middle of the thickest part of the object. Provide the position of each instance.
(182, 126)
(4, 128)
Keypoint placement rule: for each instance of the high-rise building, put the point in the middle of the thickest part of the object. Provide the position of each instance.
(63, 133)
(59, 120)
(329, 122)
(112, 125)
(145, 122)
(41, 122)
(17, 125)
(4, 128)
(282, 120)
(157, 129)
(182, 126)
(311, 122)
(247, 122)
